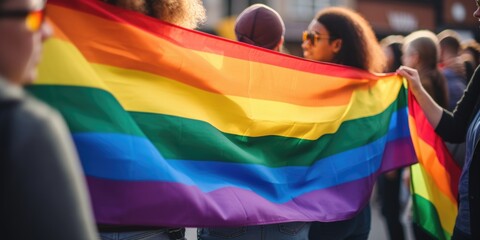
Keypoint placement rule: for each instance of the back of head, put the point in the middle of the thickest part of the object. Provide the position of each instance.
(394, 43)
(425, 43)
(261, 26)
(360, 47)
(449, 42)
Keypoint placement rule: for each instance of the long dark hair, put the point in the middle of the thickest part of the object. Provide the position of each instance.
(425, 43)
(395, 44)
(360, 47)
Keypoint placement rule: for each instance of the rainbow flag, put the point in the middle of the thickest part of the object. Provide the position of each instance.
(180, 128)
(434, 179)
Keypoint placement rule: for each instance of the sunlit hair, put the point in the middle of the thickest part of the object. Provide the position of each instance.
(449, 41)
(425, 44)
(360, 46)
(395, 44)
(185, 13)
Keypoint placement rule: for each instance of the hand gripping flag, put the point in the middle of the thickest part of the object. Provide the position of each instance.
(434, 179)
(175, 127)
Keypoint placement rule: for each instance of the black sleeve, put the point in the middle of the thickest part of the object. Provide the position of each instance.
(453, 126)
(469, 69)
(49, 197)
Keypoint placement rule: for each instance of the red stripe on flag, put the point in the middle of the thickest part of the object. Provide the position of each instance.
(426, 132)
(200, 41)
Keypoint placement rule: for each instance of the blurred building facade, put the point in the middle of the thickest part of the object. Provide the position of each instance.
(386, 16)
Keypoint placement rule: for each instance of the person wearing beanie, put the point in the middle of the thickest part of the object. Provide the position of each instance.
(185, 13)
(261, 26)
(342, 36)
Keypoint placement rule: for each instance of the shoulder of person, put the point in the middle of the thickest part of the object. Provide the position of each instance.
(34, 113)
(25, 111)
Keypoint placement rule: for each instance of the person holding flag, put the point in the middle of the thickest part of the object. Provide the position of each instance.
(341, 36)
(463, 124)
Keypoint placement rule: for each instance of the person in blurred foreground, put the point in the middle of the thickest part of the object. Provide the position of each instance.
(43, 192)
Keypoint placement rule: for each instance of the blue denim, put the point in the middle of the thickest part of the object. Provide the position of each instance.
(281, 231)
(357, 228)
(462, 223)
(160, 234)
(459, 235)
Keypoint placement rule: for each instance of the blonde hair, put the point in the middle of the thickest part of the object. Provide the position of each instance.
(184, 13)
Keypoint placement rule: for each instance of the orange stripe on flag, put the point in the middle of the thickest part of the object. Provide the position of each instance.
(291, 86)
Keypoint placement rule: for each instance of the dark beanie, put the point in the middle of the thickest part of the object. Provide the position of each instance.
(259, 25)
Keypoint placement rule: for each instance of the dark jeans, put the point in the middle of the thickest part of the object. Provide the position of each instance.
(146, 234)
(136, 235)
(356, 228)
(459, 235)
(421, 234)
(279, 231)
(388, 188)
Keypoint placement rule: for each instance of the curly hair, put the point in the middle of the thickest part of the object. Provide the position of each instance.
(360, 47)
(185, 13)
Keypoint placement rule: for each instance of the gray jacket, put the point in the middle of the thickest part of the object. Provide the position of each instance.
(44, 194)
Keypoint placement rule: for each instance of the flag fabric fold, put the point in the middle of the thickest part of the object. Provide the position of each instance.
(434, 180)
(179, 128)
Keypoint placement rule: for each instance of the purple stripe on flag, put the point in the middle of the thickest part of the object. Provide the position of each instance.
(158, 203)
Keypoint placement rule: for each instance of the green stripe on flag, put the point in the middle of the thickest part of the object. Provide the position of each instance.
(425, 215)
(88, 109)
(98, 111)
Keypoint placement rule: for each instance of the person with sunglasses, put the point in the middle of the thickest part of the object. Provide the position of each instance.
(261, 26)
(43, 193)
(341, 36)
(461, 125)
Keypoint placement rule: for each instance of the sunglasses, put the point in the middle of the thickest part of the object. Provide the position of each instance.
(313, 37)
(34, 19)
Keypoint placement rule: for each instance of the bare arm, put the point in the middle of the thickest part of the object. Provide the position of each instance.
(432, 110)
